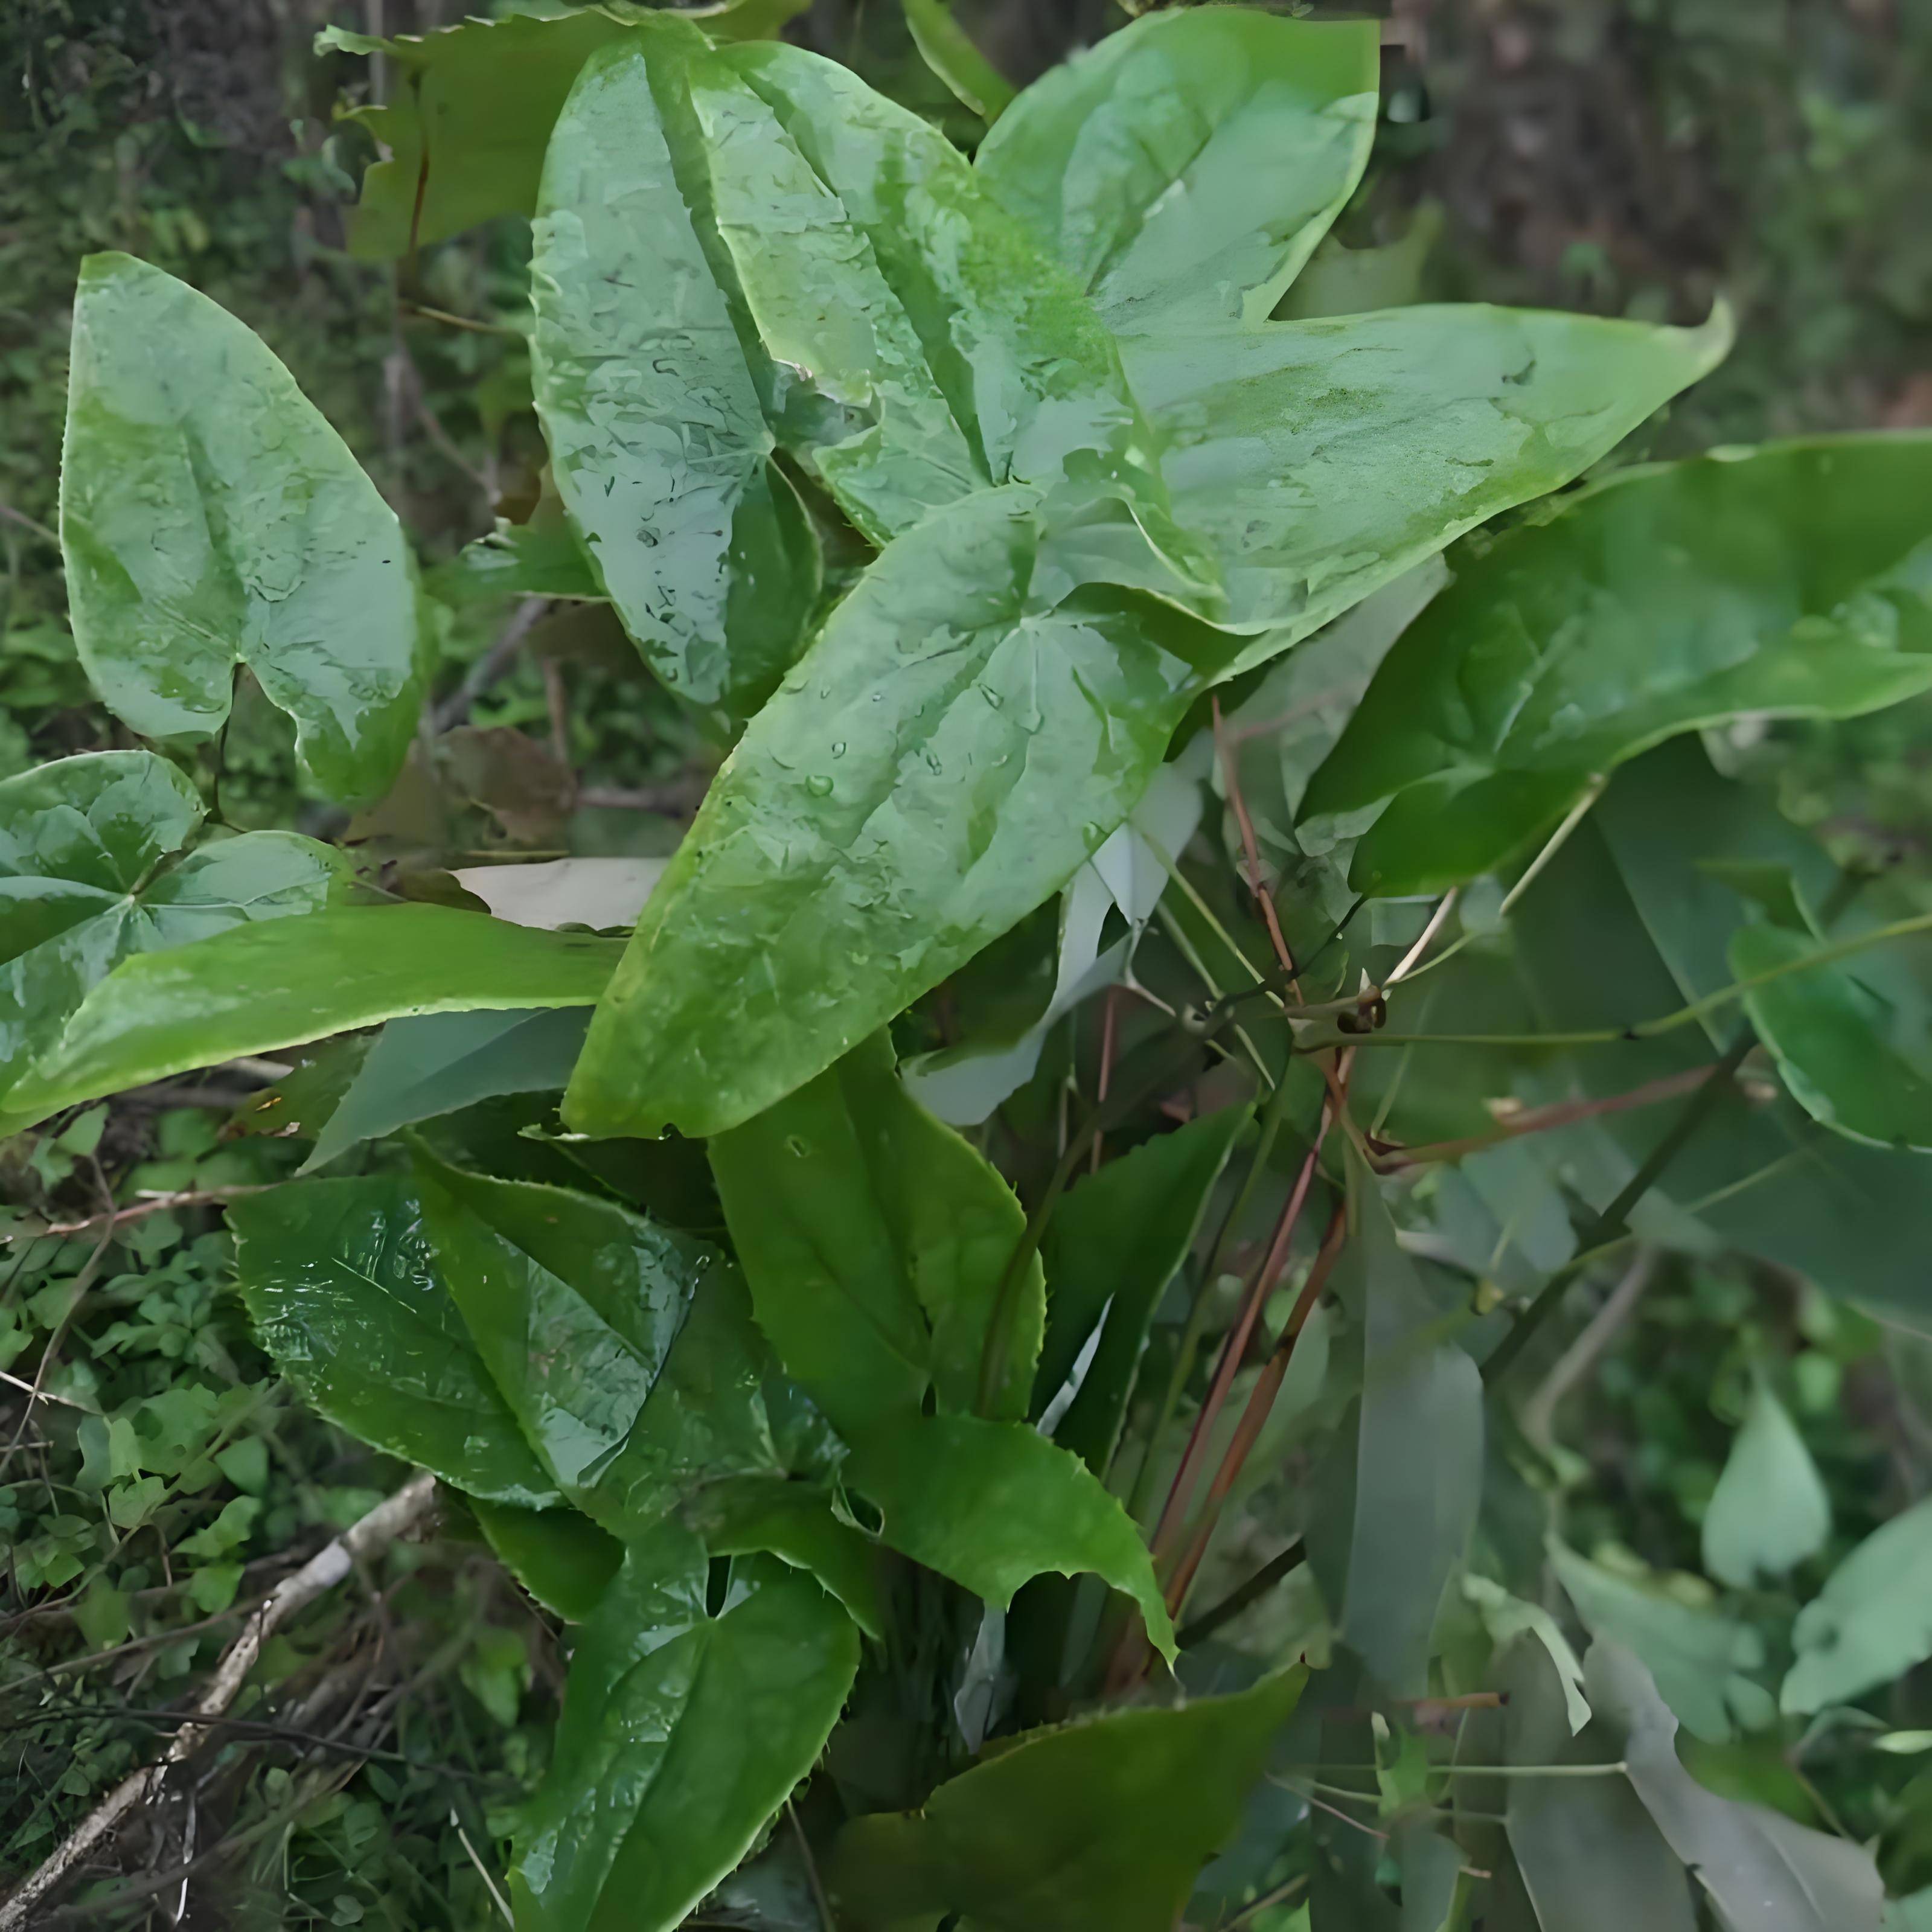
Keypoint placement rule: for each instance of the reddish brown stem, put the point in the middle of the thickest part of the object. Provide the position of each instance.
(1251, 851)
(1110, 1021)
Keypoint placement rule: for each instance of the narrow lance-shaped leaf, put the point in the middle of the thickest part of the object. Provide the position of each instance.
(1770, 1509)
(211, 518)
(341, 1281)
(260, 987)
(1321, 459)
(1101, 1826)
(949, 50)
(1185, 167)
(994, 1504)
(944, 758)
(877, 1242)
(94, 869)
(1796, 580)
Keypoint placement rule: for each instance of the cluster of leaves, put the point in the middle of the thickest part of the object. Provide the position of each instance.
(992, 512)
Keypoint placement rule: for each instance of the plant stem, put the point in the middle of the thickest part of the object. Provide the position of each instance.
(1244, 1596)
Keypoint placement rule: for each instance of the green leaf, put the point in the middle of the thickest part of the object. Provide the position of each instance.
(211, 518)
(1418, 1453)
(341, 1281)
(1871, 1622)
(994, 1504)
(1699, 1658)
(658, 446)
(1339, 280)
(1321, 459)
(1099, 1826)
(92, 871)
(1760, 1869)
(262, 987)
(748, 1515)
(941, 761)
(947, 49)
(434, 1064)
(1185, 167)
(1795, 581)
(876, 1242)
(559, 1556)
(1115, 1242)
(1852, 1049)
(1770, 1509)
(681, 1735)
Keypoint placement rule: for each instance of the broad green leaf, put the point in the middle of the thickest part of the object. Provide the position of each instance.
(1339, 280)
(1101, 1825)
(876, 1242)
(260, 987)
(942, 760)
(559, 1556)
(435, 1062)
(1871, 1622)
(1113, 1244)
(1854, 1056)
(948, 50)
(1418, 1453)
(1795, 581)
(681, 1735)
(1321, 459)
(541, 558)
(658, 446)
(341, 1281)
(471, 110)
(994, 1504)
(1506, 1619)
(93, 870)
(1700, 1658)
(583, 1313)
(1760, 1869)
(750, 1515)
(1185, 167)
(1770, 1509)
(1432, 1868)
(211, 518)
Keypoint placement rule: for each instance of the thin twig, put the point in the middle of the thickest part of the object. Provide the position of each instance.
(490, 666)
(154, 1204)
(1538, 1418)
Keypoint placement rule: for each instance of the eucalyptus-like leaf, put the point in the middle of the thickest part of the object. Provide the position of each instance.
(559, 1556)
(1321, 459)
(876, 1242)
(682, 1734)
(260, 987)
(1115, 1242)
(434, 1064)
(994, 1504)
(960, 738)
(1185, 167)
(341, 1281)
(211, 518)
(94, 869)
(1795, 581)
(1101, 1826)
(1770, 1509)
(1871, 1622)
(949, 50)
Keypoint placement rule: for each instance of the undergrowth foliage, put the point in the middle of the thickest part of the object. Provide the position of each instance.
(1195, 948)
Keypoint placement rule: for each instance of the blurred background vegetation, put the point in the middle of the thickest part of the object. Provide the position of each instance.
(1625, 156)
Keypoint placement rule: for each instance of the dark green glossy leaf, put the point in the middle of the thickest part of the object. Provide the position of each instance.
(947, 48)
(262, 987)
(1852, 1052)
(559, 1556)
(1795, 581)
(993, 1504)
(210, 517)
(1113, 1244)
(1418, 1453)
(875, 1241)
(1185, 167)
(944, 757)
(1099, 1826)
(658, 444)
(1871, 1622)
(341, 1281)
(1770, 1509)
(435, 1062)
(92, 871)
(1760, 1869)
(681, 1735)
(750, 1515)
(1322, 459)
